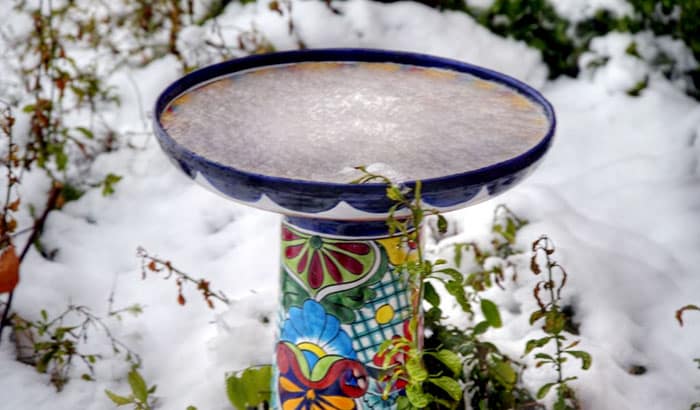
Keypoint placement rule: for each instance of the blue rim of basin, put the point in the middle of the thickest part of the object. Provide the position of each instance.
(317, 199)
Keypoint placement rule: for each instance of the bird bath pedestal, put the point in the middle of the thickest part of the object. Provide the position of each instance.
(340, 295)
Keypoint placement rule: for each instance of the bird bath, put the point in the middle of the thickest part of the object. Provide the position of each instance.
(283, 131)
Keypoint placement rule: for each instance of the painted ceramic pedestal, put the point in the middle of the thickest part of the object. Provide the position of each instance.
(341, 295)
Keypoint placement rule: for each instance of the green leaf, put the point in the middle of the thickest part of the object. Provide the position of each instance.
(639, 87)
(481, 327)
(431, 295)
(86, 132)
(58, 150)
(441, 224)
(71, 192)
(535, 343)
(449, 385)
(416, 370)
(417, 396)
(491, 313)
(117, 399)
(108, 184)
(544, 356)
(403, 403)
(191, 408)
(504, 373)
(394, 193)
(554, 322)
(632, 50)
(585, 357)
(138, 386)
(457, 291)
(536, 315)
(250, 387)
(560, 404)
(542, 392)
(450, 359)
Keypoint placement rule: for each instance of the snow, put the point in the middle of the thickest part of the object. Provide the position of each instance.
(578, 10)
(619, 194)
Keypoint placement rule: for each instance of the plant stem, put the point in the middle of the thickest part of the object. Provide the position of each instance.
(36, 231)
(555, 306)
(39, 223)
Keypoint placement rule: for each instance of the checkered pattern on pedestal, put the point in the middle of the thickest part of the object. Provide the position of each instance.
(366, 332)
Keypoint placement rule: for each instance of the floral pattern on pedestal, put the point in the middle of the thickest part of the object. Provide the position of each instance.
(323, 265)
(318, 367)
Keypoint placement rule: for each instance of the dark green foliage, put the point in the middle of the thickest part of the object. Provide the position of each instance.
(491, 378)
(536, 23)
(562, 42)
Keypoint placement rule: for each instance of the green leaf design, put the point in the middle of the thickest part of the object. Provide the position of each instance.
(491, 313)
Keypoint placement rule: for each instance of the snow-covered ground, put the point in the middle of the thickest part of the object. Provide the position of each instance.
(619, 194)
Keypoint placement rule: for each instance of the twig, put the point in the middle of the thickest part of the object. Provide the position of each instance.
(155, 265)
(39, 222)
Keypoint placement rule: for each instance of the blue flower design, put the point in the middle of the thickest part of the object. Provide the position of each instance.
(316, 333)
(316, 362)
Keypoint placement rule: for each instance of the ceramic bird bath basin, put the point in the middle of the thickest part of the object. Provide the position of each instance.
(283, 132)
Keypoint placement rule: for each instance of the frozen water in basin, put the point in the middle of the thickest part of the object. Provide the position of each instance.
(313, 121)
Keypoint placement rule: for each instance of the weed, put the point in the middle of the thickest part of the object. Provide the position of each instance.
(53, 345)
(153, 264)
(554, 323)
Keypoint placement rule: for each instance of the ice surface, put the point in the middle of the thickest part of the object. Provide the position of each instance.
(313, 120)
